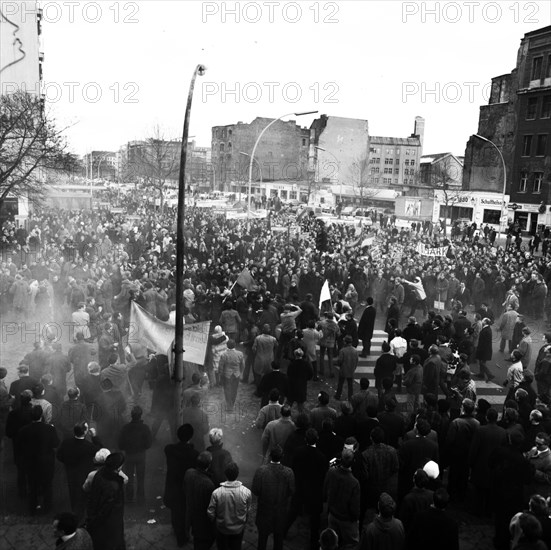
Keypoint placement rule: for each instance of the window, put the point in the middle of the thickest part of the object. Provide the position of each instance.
(541, 145)
(532, 108)
(396, 181)
(538, 178)
(376, 180)
(229, 132)
(303, 143)
(546, 106)
(229, 147)
(491, 216)
(389, 151)
(527, 146)
(523, 182)
(375, 170)
(398, 152)
(537, 64)
(388, 170)
(548, 70)
(293, 195)
(396, 170)
(388, 161)
(221, 147)
(407, 152)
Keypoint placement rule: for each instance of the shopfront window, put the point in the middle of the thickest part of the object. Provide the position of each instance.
(491, 216)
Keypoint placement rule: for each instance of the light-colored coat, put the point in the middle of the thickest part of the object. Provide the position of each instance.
(507, 324)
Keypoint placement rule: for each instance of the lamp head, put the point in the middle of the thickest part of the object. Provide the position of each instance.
(201, 70)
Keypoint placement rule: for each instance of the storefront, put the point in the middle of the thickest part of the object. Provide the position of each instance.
(527, 216)
(479, 208)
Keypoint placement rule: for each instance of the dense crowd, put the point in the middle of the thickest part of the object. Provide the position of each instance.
(383, 463)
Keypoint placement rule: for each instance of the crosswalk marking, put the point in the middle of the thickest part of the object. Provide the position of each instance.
(492, 392)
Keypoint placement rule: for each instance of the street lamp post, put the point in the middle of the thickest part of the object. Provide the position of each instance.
(252, 158)
(504, 178)
(180, 248)
(259, 171)
(338, 166)
(99, 164)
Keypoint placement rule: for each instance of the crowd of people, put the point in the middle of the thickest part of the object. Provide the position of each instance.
(375, 470)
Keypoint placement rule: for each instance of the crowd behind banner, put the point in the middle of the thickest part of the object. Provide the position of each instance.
(385, 460)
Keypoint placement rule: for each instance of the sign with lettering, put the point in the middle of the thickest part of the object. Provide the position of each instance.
(424, 250)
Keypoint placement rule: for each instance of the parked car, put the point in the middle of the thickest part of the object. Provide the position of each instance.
(348, 211)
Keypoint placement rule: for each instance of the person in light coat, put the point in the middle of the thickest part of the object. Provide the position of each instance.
(506, 327)
(348, 362)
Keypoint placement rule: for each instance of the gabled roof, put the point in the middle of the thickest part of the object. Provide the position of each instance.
(433, 159)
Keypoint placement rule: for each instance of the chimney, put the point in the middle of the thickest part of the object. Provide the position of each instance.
(419, 129)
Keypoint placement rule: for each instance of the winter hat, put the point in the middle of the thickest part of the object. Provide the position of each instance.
(432, 469)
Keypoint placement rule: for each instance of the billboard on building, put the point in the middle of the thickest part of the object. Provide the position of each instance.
(413, 207)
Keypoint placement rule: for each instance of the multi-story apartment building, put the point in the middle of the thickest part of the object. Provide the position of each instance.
(100, 164)
(394, 162)
(281, 155)
(518, 121)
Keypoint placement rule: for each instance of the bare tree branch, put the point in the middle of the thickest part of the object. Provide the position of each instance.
(29, 142)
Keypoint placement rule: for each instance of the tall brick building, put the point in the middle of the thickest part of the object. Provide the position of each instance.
(281, 155)
(518, 120)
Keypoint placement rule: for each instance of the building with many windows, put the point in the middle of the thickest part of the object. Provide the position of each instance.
(281, 154)
(518, 120)
(394, 162)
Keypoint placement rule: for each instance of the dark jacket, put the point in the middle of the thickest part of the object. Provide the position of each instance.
(383, 534)
(309, 466)
(180, 457)
(394, 425)
(77, 455)
(273, 485)
(271, 380)
(198, 488)
(486, 439)
(341, 490)
(135, 437)
(298, 373)
(484, 348)
(367, 323)
(433, 529)
(417, 500)
(37, 443)
(220, 459)
(380, 463)
(105, 510)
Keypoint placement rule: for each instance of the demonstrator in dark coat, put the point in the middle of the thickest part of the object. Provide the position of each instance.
(366, 327)
(180, 457)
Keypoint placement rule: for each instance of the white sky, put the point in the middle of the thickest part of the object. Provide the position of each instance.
(380, 60)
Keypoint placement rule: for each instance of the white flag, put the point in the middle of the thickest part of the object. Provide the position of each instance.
(325, 293)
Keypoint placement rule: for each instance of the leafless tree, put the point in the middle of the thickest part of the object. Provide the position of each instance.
(153, 162)
(445, 177)
(31, 147)
(359, 177)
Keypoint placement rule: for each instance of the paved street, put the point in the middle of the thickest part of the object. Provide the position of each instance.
(149, 527)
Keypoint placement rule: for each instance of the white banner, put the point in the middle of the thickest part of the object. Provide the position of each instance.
(147, 330)
(440, 251)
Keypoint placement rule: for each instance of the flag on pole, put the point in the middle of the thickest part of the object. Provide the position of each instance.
(325, 293)
(246, 280)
